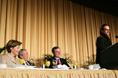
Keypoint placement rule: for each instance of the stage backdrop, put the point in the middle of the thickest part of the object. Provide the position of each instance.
(43, 24)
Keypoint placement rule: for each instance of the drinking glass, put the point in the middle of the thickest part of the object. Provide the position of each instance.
(21, 61)
(48, 63)
(75, 64)
(31, 59)
(54, 62)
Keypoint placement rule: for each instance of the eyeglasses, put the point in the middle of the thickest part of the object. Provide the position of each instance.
(57, 51)
(106, 29)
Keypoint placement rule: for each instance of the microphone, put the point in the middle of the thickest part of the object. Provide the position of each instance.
(116, 36)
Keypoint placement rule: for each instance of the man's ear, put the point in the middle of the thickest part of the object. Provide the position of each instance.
(102, 31)
(21, 56)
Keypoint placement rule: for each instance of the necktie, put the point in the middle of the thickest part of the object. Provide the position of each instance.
(59, 61)
(27, 63)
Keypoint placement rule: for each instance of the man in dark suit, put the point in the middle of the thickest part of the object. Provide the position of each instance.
(56, 56)
(23, 54)
(103, 41)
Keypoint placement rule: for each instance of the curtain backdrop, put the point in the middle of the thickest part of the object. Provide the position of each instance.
(43, 24)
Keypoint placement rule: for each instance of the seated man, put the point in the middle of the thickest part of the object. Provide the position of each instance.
(23, 54)
(56, 56)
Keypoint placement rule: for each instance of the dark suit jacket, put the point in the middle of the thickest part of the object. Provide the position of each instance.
(30, 63)
(103, 41)
(63, 61)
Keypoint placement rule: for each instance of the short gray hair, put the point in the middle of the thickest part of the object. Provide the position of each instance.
(21, 52)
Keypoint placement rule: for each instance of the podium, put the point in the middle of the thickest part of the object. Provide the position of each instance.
(109, 57)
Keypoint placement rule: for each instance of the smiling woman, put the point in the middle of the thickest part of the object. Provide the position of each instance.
(13, 48)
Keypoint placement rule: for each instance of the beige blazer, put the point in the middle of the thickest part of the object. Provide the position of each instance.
(8, 59)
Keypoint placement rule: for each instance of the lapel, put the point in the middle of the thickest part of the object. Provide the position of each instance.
(53, 58)
(11, 58)
(61, 61)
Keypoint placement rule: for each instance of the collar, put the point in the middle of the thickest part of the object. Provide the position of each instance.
(57, 58)
(105, 35)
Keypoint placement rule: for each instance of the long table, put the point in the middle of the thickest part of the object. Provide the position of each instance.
(38, 73)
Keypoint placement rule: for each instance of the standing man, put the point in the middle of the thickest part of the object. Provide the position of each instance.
(103, 41)
(56, 56)
(23, 54)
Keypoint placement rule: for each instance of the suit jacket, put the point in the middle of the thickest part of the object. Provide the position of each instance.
(63, 61)
(29, 63)
(8, 59)
(103, 41)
